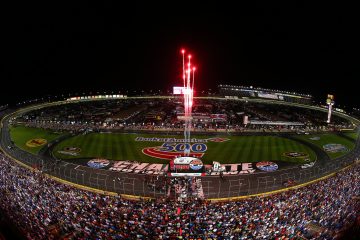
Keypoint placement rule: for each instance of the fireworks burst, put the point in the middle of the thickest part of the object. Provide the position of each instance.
(188, 92)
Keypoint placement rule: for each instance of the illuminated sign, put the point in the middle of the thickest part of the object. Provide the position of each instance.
(178, 90)
(330, 99)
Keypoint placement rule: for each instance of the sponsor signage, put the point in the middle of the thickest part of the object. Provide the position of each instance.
(178, 90)
(156, 152)
(68, 153)
(218, 117)
(334, 148)
(267, 95)
(217, 167)
(180, 140)
(96, 97)
(296, 154)
(278, 123)
(98, 163)
(73, 151)
(36, 142)
(172, 149)
(176, 174)
(196, 164)
(162, 169)
(187, 165)
(267, 166)
(145, 168)
(235, 169)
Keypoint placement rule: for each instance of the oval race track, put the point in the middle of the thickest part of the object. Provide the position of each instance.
(213, 187)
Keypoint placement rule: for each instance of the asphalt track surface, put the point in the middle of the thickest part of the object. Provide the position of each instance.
(214, 187)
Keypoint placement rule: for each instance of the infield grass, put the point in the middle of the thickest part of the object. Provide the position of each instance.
(122, 146)
(21, 134)
(329, 139)
(353, 135)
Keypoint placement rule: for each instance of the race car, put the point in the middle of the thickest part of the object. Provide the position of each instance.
(308, 165)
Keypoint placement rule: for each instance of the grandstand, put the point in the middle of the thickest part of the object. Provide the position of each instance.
(44, 208)
(231, 91)
(208, 113)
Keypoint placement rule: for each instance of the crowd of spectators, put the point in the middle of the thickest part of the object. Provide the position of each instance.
(183, 188)
(45, 209)
(86, 128)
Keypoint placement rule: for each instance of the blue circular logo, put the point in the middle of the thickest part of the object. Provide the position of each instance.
(267, 166)
(196, 164)
(98, 163)
(334, 148)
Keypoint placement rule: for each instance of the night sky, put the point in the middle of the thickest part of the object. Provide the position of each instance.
(55, 48)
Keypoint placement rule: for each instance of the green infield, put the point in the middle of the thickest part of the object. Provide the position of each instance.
(31, 139)
(334, 145)
(224, 149)
(353, 135)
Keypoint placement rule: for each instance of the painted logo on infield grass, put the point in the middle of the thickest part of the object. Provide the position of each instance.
(334, 148)
(73, 151)
(296, 154)
(168, 155)
(218, 139)
(36, 142)
(174, 147)
(98, 163)
(267, 166)
(171, 150)
(180, 140)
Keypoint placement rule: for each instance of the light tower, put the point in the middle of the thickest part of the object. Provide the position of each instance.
(330, 102)
(188, 92)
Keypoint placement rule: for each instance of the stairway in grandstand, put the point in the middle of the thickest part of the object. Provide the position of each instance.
(314, 228)
(184, 188)
(198, 191)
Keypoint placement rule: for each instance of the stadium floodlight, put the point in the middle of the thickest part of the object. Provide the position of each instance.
(330, 102)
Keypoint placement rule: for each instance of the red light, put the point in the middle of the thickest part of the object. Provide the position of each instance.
(182, 51)
(194, 68)
(189, 56)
